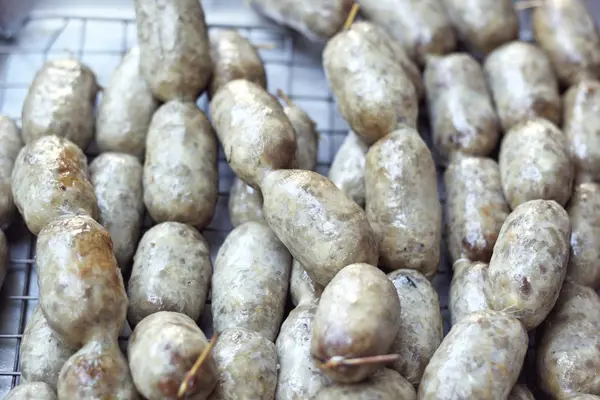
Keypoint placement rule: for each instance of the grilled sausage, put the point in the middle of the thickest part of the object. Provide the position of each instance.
(347, 170)
(480, 358)
(61, 101)
(382, 40)
(171, 272)
(84, 301)
(174, 337)
(422, 26)
(463, 118)
(303, 288)
(315, 19)
(245, 203)
(251, 262)
(174, 48)
(307, 137)
(529, 262)
(466, 289)
(49, 180)
(126, 109)
(407, 223)
(421, 325)
(522, 83)
(97, 371)
(475, 207)
(386, 384)
(358, 316)
(246, 366)
(41, 353)
(483, 25)
(535, 164)
(568, 33)
(323, 242)
(584, 212)
(11, 144)
(180, 173)
(255, 133)
(299, 378)
(568, 354)
(372, 91)
(582, 129)
(75, 253)
(31, 391)
(234, 57)
(117, 180)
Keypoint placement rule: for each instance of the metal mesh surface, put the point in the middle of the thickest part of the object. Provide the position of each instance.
(293, 65)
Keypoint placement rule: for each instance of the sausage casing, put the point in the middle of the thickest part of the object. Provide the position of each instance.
(81, 287)
(581, 105)
(174, 48)
(171, 272)
(42, 354)
(386, 384)
(529, 263)
(50, 179)
(347, 170)
(385, 42)
(315, 19)
(303, 289)
(535, 164)
(584, 212)
(421, 325)
(323, 242)
(117, 180)
(408, 222)
(475, 207)
(97, 371)
(483, 24)
(174, 337)
(460, 106)
(256, 135)
(180, 172)
(568, 33)
(568, 354)
(237, 379)
(245, 203)
(61, 101)
(234, 57)
(358, 316)
(30, 391)
(126, 109)
(466, 289)
(299, 378)
(480, 358)
(251, 261)
(373, 92)
(422, 26)
(522, 83)
(11, 145)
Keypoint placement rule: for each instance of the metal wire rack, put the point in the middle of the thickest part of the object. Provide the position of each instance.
(293, 65)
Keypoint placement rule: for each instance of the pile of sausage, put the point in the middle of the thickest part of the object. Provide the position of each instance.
(523, 232)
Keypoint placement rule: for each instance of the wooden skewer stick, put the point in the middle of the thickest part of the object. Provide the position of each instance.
(285, 97)
(341, 361)
(183, 388)
(352, 15)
